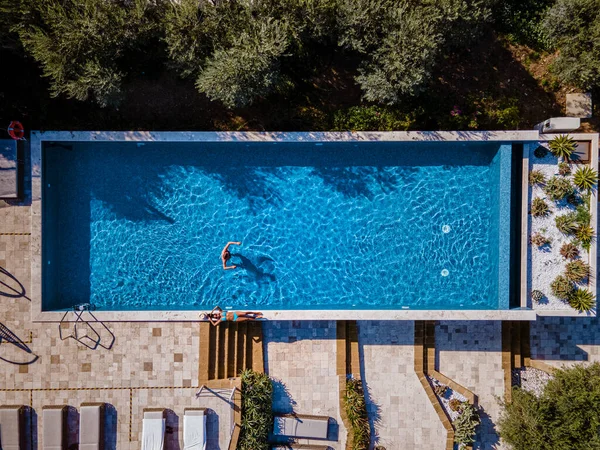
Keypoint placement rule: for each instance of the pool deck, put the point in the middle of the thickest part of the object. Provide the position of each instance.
(37, 138)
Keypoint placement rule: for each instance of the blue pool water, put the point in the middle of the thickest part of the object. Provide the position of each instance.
(141, 226)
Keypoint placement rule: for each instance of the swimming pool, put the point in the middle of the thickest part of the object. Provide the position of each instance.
(323, 225)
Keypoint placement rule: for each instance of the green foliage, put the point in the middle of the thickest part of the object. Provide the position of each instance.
(564, 168)
(356, 411)
(521, 21)
(582, 214)
(539, 208)
(536, 296)
(562, 287)
(577, 271)
(569, 250)
(585, 234)
(582, 300)
(562, 146)
(371, 118)
(574, 28)
(566, 416)
(558, 188)
(585, 178)
(79, 43)
(249, 69)
(257, 414)
(465, 424)
(536, 177)
(567, 223)
(539, 240)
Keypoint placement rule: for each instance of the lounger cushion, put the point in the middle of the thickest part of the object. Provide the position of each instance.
(10, 432)
(299, 426)
(194, 430)
(90, 427)
(53, 429)
(153, 431)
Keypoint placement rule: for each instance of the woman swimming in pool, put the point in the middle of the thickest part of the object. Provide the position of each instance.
(216, 316)
(226, 255)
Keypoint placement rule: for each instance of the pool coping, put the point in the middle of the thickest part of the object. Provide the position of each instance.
(38, 137)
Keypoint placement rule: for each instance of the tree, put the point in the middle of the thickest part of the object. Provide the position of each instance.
(573, 26)
(566, 416)
(250, 68)
(79, 43)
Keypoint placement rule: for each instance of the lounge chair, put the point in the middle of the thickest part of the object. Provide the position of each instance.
(55, 427)
(91, 426)
(153, 429)
(194, 429)
(300, 426)
(12, 427)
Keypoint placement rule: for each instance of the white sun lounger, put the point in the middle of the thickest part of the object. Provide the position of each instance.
(91, 426)
(12, 427)
(153, 429)
(194, 429)
(55, 427)
(300, 426)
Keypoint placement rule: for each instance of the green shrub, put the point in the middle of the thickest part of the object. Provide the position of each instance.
(558, 188)
(585, 234)
(521, 22)
(567, 223)
(539, 240)
(577, 271)
(562, 288)
(569, 250)
(585, 178)
(582, 214)
(539, 208)
(562, 146)
(536, 177)
(536, 296)
(372, 118)
(356, 411)
(582, 300)
(466, 424)
(564, 168)
(565, 416)
(257, 413)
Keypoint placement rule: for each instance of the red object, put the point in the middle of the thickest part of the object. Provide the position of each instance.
(16, 130)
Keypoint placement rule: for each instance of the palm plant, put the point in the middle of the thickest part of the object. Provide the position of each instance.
(585, 178)
(577, 271)
(562, 146)
(257, 413)
(569, 250)
(536, 177)
(539, 208)
(465, 424)
(562, 288)
(356, 411)
(567, 223)
(582, 300)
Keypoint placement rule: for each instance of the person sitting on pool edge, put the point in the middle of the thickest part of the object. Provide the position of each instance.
(216, 316)
(226, 255)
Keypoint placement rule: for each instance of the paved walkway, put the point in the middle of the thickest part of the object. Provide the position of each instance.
(400, 411)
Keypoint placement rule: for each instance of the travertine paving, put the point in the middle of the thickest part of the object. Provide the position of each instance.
(300, 357)
(470, 353)
(404, 417)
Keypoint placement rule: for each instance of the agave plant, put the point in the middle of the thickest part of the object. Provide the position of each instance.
(536, 177)
(585, 178)
(582, 300)
(537, 296)
(539, 240)
(539, 208)
(562, 288)
(577, 271)
(569, 250)
(356, 411)
(585, 234)
(558, 188)
(562, 146)
(567, 223)
(564, 168)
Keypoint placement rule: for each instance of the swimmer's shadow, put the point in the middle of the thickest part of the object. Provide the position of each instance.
(258, 273)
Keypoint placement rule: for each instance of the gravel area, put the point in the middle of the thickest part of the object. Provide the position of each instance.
(449, 395)
(530, 379)
(545, 263)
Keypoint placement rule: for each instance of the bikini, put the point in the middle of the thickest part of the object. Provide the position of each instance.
(224, 317)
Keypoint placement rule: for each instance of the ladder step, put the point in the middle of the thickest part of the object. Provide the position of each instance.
(241, 348)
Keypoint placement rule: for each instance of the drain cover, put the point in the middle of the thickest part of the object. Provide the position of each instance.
(445, 272)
